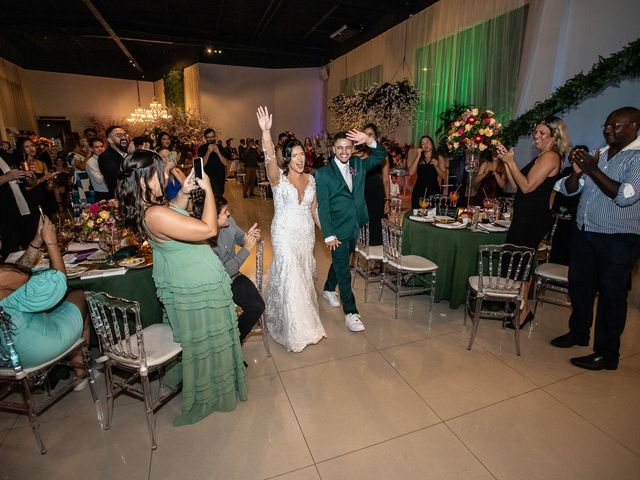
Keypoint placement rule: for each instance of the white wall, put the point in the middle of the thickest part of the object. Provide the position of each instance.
(78, 97)
(585, 30)
(229, 97)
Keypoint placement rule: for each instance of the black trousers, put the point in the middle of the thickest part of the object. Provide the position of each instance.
(601, 263)
(246, 295)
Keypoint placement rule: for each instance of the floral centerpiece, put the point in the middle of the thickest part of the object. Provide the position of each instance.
(100, 217)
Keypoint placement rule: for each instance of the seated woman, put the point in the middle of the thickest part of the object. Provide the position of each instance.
(490, 179)
(191, 282)
(46, 319)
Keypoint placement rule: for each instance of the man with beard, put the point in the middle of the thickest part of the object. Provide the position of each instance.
(214, 161)
(606, 242)
(111, 159)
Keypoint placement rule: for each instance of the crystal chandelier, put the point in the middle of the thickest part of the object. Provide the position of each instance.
(156, 111)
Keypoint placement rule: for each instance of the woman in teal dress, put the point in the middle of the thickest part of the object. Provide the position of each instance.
(191, 283)
(46, 319)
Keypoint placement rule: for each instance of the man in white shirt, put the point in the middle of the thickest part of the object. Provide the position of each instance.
(93, 170)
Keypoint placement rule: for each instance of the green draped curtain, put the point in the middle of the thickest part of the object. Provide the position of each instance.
(477, 66)
(361, 80)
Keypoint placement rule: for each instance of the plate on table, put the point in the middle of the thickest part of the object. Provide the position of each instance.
(75, 271)
(98, 257)
(503, 223)
(444, 219)
(488, 227)
(132, 262)
(418, 218)
(451, 226)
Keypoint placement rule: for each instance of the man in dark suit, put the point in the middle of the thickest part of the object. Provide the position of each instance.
(110, 160)
(342, 211)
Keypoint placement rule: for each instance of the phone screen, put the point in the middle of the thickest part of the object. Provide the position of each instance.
(173, 156)
(197, 167)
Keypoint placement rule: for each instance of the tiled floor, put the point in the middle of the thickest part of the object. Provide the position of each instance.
(405, 399)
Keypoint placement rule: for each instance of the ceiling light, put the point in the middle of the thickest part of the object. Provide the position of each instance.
(209, 51)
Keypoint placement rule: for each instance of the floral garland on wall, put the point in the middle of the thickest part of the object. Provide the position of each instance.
(389, 106)
(608, 71)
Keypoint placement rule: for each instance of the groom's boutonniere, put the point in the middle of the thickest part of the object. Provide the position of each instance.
(353, 171)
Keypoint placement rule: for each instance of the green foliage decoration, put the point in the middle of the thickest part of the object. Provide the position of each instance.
(174, 89)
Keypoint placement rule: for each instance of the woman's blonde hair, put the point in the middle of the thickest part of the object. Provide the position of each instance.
(558, 129)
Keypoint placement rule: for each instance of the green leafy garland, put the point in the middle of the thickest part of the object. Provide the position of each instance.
(174, 89)
(608, 71)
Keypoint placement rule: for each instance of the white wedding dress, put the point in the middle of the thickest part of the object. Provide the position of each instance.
(292, 304)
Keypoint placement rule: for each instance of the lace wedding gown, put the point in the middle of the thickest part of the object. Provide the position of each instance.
(292, 305)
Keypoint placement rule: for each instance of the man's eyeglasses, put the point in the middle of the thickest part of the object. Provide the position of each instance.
(120, 135)
(615, 126)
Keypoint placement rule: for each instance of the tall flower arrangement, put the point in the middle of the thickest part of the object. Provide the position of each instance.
(474, 130)
(389, 106)
(100, 217)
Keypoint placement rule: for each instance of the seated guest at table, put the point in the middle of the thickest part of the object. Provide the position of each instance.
(43, 327)
(490, 179)
(191, 283)
(428, 166)
(532, 217)
(175, 177)
(93, 170)
(245, 293)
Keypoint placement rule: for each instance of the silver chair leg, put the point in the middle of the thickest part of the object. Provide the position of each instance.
(92, 385)
(475, 321)
(398, 282)
(148, 407)
(33, 418)
(108, 378)
(540, 288)
(366, 279)
(433, 289)
(265, 339)
(467, 305)
(382, 280)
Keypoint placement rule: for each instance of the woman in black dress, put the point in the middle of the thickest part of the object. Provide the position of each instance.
(376, 192)
(532, 216)
(429, 166)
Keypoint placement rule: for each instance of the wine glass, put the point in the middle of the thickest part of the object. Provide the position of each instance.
(108, 241)
(65, 236)
(424, 204)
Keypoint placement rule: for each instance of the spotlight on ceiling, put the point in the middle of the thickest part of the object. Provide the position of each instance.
(209, 50)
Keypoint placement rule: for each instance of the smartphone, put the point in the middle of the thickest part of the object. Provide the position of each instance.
(173, 156)
(41, 212)
(197, 167)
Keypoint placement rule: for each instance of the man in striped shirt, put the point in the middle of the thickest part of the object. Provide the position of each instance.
(606, 242)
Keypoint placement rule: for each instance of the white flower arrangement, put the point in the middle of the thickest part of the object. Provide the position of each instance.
(389, 106)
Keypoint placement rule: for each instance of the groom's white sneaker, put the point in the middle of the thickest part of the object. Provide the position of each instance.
(353, 323)
(332, 298)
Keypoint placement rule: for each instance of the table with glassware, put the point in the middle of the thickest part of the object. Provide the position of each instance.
(451, 245)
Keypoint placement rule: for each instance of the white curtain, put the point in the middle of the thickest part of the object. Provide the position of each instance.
(16, 107)
(192, 89)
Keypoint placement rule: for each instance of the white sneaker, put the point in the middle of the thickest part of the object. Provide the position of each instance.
(353, 322)
(84, 383)
(332, 298)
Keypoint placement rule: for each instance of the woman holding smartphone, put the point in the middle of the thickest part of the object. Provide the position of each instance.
(191, 283)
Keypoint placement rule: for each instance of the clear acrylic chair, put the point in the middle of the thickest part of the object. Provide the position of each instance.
(258, 282)
(263, 183)
(13, 375)
(399, 270)
(551, 276)
(364, 255)
(502, 274)
(133, 349)
(240, 175)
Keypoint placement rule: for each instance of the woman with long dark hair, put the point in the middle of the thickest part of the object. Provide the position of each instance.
(292, 304)
(191, 283)
(428, 166)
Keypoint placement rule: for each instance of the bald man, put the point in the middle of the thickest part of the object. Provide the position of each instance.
(606, 241)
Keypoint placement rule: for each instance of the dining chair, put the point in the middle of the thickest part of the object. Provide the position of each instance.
(13, 375)
(240, 175)
(502, 274)
(259, 285)
(139, 351)
(263, 183)
(364, 255)
(399, 270)
(552, 276)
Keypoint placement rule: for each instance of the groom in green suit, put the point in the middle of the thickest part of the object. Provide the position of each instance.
(342, 211)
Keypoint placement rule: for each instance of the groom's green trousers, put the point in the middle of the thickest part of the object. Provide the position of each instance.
(340, 274)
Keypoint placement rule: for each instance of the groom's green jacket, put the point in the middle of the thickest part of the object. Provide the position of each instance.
(343, 212)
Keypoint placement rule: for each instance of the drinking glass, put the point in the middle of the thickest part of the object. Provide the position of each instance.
(453, 197)
(108, 241)
(424, 204)
(487, 203)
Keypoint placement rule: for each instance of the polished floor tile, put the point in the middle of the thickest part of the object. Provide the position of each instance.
(308, 473)
(608, 399)
(432, 452)
(452, 379)
(256, 357)
(352, 403)
(260, 438)
(533, 436)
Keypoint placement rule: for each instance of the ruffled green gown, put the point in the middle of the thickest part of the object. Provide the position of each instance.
(196, 293)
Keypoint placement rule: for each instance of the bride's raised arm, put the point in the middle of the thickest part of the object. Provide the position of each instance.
(265, 120)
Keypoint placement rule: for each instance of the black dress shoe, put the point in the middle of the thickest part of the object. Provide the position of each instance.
(523, 324)
(594, 362)
(568, 340)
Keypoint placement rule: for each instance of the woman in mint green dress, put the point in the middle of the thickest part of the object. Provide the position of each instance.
(191, 283)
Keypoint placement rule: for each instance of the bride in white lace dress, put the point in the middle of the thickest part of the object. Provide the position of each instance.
(292, 304)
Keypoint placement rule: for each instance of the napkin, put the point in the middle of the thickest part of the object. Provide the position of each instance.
(79, 247)
(491, 228)
(110, 272)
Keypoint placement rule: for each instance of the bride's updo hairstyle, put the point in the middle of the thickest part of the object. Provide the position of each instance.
(133, 199)
(287, 148)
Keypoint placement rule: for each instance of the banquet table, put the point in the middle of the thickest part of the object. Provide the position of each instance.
(136, 284)
(454, 251)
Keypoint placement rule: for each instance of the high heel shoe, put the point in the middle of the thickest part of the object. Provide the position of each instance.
(523, 324)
